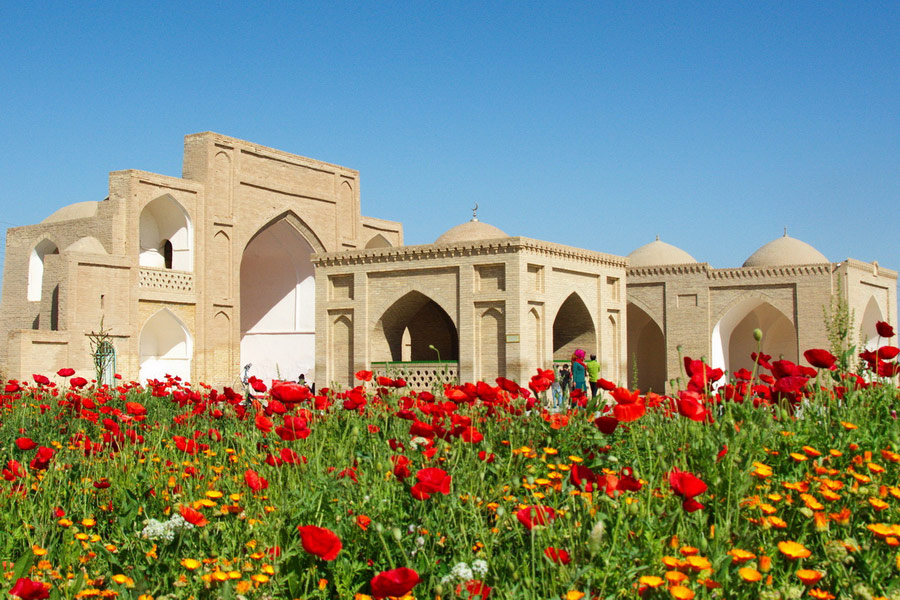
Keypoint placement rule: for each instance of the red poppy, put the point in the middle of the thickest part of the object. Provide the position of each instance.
(13, 470)
(888, 352)
(29, 589)
(385, 381)
(401, 466)
(558, 555)
(24, 443)
(884, 329)
(396, 582)
(186, 445)
(66, 372)
(532, 516)
(194, 517)
(690, 405)
(364, 375)
(820, 359)
(606, 424)
(254, 481)
(431, 481)
(687, 485)
(263, 423)
(257, 384)
(135, 408)
(41, 379)
(625, 396)
(488, 458)
(42, 459)
(290, 393)
(320, 541)
(102, 483)
(294, 428)
(290, 457)
(606, 384)
(477, 589)
(471, 435)
(627, 413)
(363, 522)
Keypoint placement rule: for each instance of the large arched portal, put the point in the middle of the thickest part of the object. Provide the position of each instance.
(165, 236)
(867, 332)
(278, 323)
(573, 328)
(646, 352)
(409, 329)
(165, 348)
(733, 341)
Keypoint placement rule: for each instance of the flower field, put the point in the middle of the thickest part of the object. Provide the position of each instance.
(781, 483)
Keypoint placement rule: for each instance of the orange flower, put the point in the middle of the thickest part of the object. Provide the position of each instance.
(749, 574)
(740, 556)
(765, 563)
(794, 550)
(809, 576)
(821, 594)
(651, 581)
(679, 592)
(675, 577)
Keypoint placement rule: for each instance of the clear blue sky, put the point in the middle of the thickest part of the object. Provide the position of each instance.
(599, 125)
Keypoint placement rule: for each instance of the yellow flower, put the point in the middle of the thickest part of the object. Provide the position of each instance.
(794, 550)
(259, 578)
(809, 576)
(88, 523)
(651, 581)
(122, 579)
(190, 563)
(574, 595)
(38, 551)
(220, 575)
(749, 574)
(214, 494)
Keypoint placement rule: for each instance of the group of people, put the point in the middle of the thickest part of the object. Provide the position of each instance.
(579, 376)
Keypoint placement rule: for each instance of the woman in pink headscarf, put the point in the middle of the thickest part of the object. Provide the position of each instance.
(578, 370)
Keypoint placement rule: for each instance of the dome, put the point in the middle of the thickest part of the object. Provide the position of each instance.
(79, 210)
(470, 231)
(87, 245)
(659, 253)
(785, 251)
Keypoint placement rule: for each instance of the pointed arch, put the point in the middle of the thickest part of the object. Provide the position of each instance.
(341, 350)
(573, 328)
(291, 218)
(428, 324)
(867, 332)
(36, 267)
(378, 241)
(646, 351)
(536, 329)
(277, 299)
(491, 344)
(732, 337)
(165, 227)
(166, 347)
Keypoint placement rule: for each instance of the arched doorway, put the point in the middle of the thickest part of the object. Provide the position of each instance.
(166, 238)
(646, 352)
(165, 348)
(410, 327)
(573, 328)
(733, 342)
(867, 332)
(278, 304)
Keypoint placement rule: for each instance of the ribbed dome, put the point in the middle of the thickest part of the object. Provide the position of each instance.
(785, 251)
(79, 210)
(470, 231)
(659, 253)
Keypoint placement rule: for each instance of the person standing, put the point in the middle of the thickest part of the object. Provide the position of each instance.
(565, 379)
(579, 371)
(593, 373)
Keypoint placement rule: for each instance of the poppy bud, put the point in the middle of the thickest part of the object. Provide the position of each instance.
(398, 535)
(757, 334)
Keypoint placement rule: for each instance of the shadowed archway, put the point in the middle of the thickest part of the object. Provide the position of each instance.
(573, 328)
(646, 352)
(423, 323)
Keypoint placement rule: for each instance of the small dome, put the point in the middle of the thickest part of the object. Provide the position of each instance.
(79, 210)
(87, 245)
(470, 231)
(659, 253)
(785, 251)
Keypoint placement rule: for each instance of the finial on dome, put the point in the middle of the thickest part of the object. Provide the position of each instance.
(475, 212)
(657, 237)
(785, 231)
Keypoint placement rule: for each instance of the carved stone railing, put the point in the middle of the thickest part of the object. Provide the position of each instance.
(420, 375)
(165, 280)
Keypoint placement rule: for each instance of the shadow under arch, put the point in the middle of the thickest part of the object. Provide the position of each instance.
(423, 322)
(732, 336)
(867, 332)
(166, 347)
(573, 328)
(277, 299)
(166, 235)
(36, 258)
(646, 348)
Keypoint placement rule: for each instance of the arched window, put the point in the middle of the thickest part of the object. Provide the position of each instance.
(165, 347)
(733, 341)
(166, 236)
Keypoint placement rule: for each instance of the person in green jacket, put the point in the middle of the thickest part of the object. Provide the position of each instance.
(593, 374)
